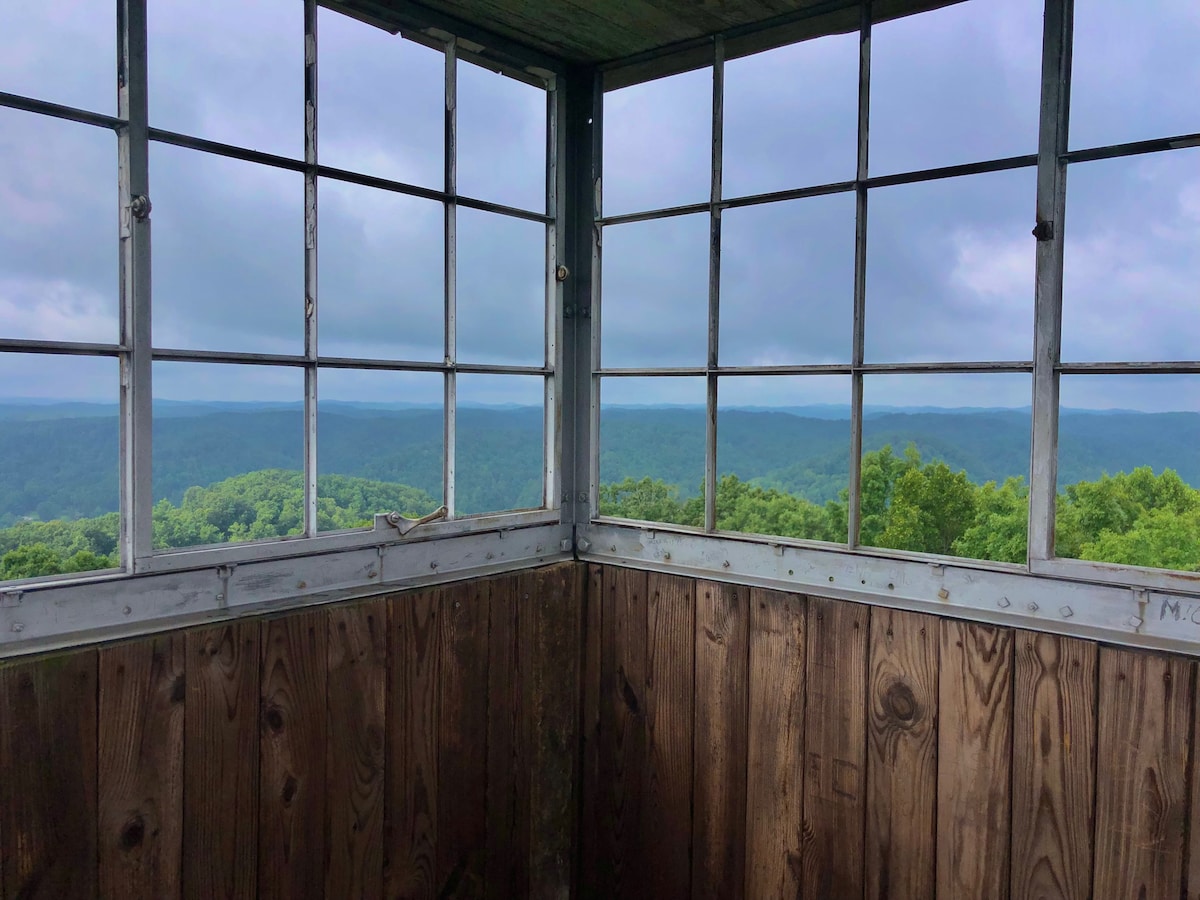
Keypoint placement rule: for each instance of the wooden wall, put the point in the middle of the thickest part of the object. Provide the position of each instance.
(418, 745)
(735, 743)
(747, 743)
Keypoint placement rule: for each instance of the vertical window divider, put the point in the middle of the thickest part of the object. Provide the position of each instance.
(137, 398)
(854, 493)
(310, 267)
(553, 423)
(596, 300)
(1051, 209)
(450, 411)
(714, 287)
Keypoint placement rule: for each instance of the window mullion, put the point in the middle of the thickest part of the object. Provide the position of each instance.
(136, 368)
(310, 267)
(450, 413)
(1051, 206)
(853, 504)
(714, 287)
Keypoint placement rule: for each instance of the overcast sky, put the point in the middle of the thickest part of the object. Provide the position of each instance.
(950, 263)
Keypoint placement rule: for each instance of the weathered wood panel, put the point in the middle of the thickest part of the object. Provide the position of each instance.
(552, 722)
(508, 754)
(719, 813)
(1054, 728)
(1144, 730)
(835, 749)
(670, 691)
(902, 729)
(775, 764)
(292, 747)
(974, 759)
(462, 746)
(411, 814)
(142, 692)
(622, 746)
(593, 739)
(221, 739)
(48, 746)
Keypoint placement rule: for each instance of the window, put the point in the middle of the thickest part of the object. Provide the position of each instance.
(344, 321)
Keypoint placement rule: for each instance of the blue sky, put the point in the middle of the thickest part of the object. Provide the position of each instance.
(950, 267)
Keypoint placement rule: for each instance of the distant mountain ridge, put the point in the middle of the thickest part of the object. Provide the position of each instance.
(59, 459)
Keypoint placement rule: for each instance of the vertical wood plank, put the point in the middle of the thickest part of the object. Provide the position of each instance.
(410, 810)
(589, 818)
(48, 748)
(974, 759)
(292, 745)
(552, 722)
(1141, 773)
(220, 783)
(622, 747)
(719, 817)
(835, 749)
(508, 761)
(1054, 739)
(356, 689)
(142, 692)
(670, 649)
(775, 766)
(462, 749)
(902, 756)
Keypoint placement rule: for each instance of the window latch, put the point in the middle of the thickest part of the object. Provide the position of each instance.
(404, 525)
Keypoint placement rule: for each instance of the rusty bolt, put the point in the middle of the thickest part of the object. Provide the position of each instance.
(562, 273)
(140, 207)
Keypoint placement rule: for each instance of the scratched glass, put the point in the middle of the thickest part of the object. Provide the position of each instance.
(500, 418)
(227, 470)
(945, 467)
(58, 231)
(379, 445)
(1129, 470)
(652, 465)
(782, 455)
(59, 430)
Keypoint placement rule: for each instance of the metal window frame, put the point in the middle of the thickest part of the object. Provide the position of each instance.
(193, 567)
(606, 534)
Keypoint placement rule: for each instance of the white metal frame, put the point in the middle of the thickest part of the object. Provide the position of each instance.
(195, 567)
(609, 539)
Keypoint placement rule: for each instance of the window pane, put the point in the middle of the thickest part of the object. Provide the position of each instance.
(658, 143)
(228, 253)
(945, 464)
(58, 231)
(655, 292)
(379, 445)
(1130, 263)
(501, 297)
(1129, 470)
(58, 465)
(652, 449)
(501, 139)
(228, 453)
(950, 270)
(1135, 72)
(64, 51)
(791, 117)
(956, 85)
(500, 443)
(787, 282)
(381, 283)
(229, 71)
(783, 455)
(382, 102)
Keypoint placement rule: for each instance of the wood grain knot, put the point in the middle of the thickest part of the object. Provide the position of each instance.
(178, 689)
(629, 695)
(900, 703)
(133, 833)
(275, 719)
(288, 794)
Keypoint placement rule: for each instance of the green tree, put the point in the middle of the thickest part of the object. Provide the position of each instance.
(30, 561)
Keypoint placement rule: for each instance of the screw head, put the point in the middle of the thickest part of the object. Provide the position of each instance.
(18, 627)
